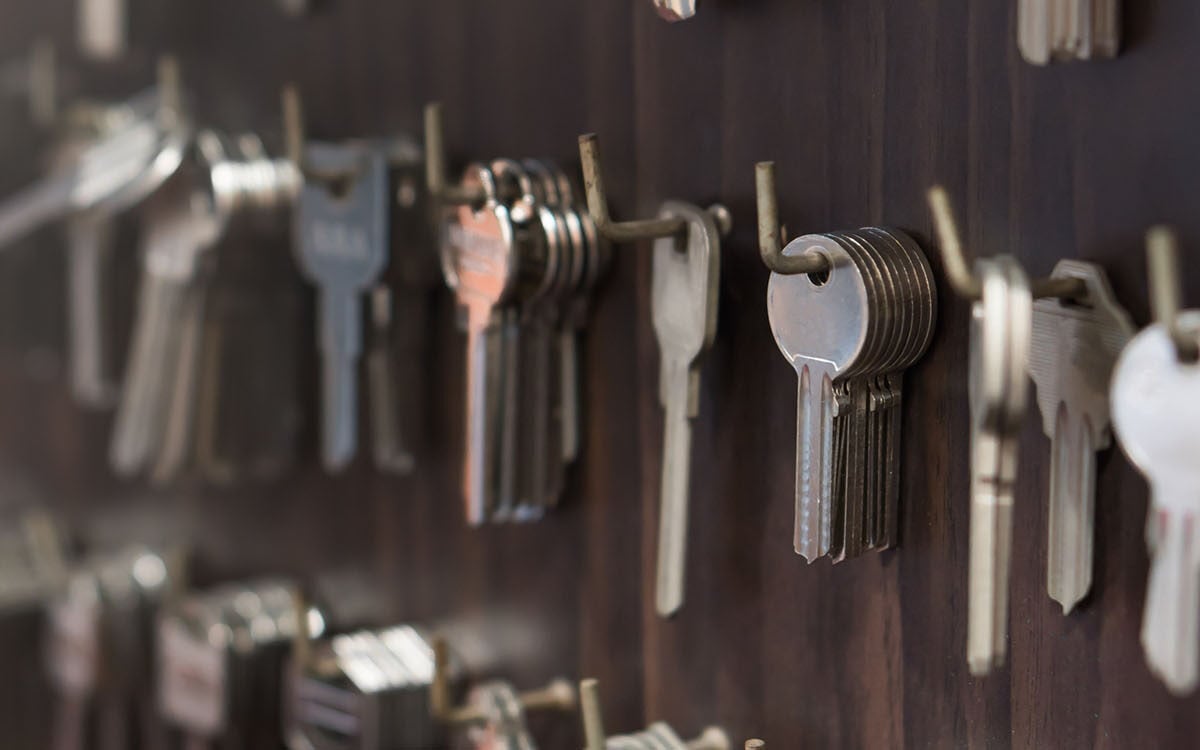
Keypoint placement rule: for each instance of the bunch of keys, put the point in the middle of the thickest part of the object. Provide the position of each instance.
(494, 715)
(851, 311)
(368, 690)
(1156, 417)
(221, 662)
(155, 424)
(1055, 30)
(130, 151)
(99, 652)
(522, 265)
(658, 736)
(1079, 327)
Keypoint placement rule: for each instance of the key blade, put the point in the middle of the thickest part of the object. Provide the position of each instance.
(341, 345)
(990, 557)
(90, 238)
(1071, 511)
(676, 468)
(814, 456)
(1171, 621)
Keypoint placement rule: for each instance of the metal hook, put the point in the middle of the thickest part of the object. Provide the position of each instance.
(593, 724)
(435, 164)
(770, 238)
(295, 137)
(629, 231)
(958, 272)
(755, 745)
(558, 695)
(1162, 252)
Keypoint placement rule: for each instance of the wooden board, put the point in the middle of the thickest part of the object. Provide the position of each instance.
(863, 104)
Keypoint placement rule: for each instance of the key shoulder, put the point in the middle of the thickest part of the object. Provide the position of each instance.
(1074, 348)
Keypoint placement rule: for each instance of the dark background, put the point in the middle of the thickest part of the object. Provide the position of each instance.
(863, 104)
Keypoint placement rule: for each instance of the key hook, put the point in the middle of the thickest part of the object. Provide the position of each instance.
(630, 231)
(1162, 253)
(958, 272)
(435, 164)
(296, 136)
(770, 237)
(558, 695)
(593, 724)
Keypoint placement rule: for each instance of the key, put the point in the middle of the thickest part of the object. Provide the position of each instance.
(89, 239)
(102, 28)
(74, 660)
(178, 235)
(387, 437)
(1000, 341)
(117, 170)
(684, 307)
(819, 353)
(1156, 418)
(676, 10)
(1074, 348)
(341, 245)
(479, 262)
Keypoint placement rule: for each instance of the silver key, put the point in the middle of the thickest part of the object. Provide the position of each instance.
(341, 244)
(178, 236)
(1000, 341)
(116, 171)
(89, 240)
(684, 306)
(676, 10)
(1156, 417)
(821, 325)
(103, 28)
(479, 262)
(1074, 348)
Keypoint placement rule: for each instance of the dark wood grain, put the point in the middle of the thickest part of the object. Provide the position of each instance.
(863, 104)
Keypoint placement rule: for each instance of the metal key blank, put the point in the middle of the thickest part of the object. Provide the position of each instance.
(341, 245)
(1000, 340)
(684, 309)
(1075, 346)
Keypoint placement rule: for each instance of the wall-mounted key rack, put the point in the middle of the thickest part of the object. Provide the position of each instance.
(863, 106)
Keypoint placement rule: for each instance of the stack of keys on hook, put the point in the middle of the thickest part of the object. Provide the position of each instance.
(1156, 417)
(522, 266)
(221, 660)
(156, 419)
(99, 651)
(850, 333)
(368, 690)
(1001, 329)
(1068, 29)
